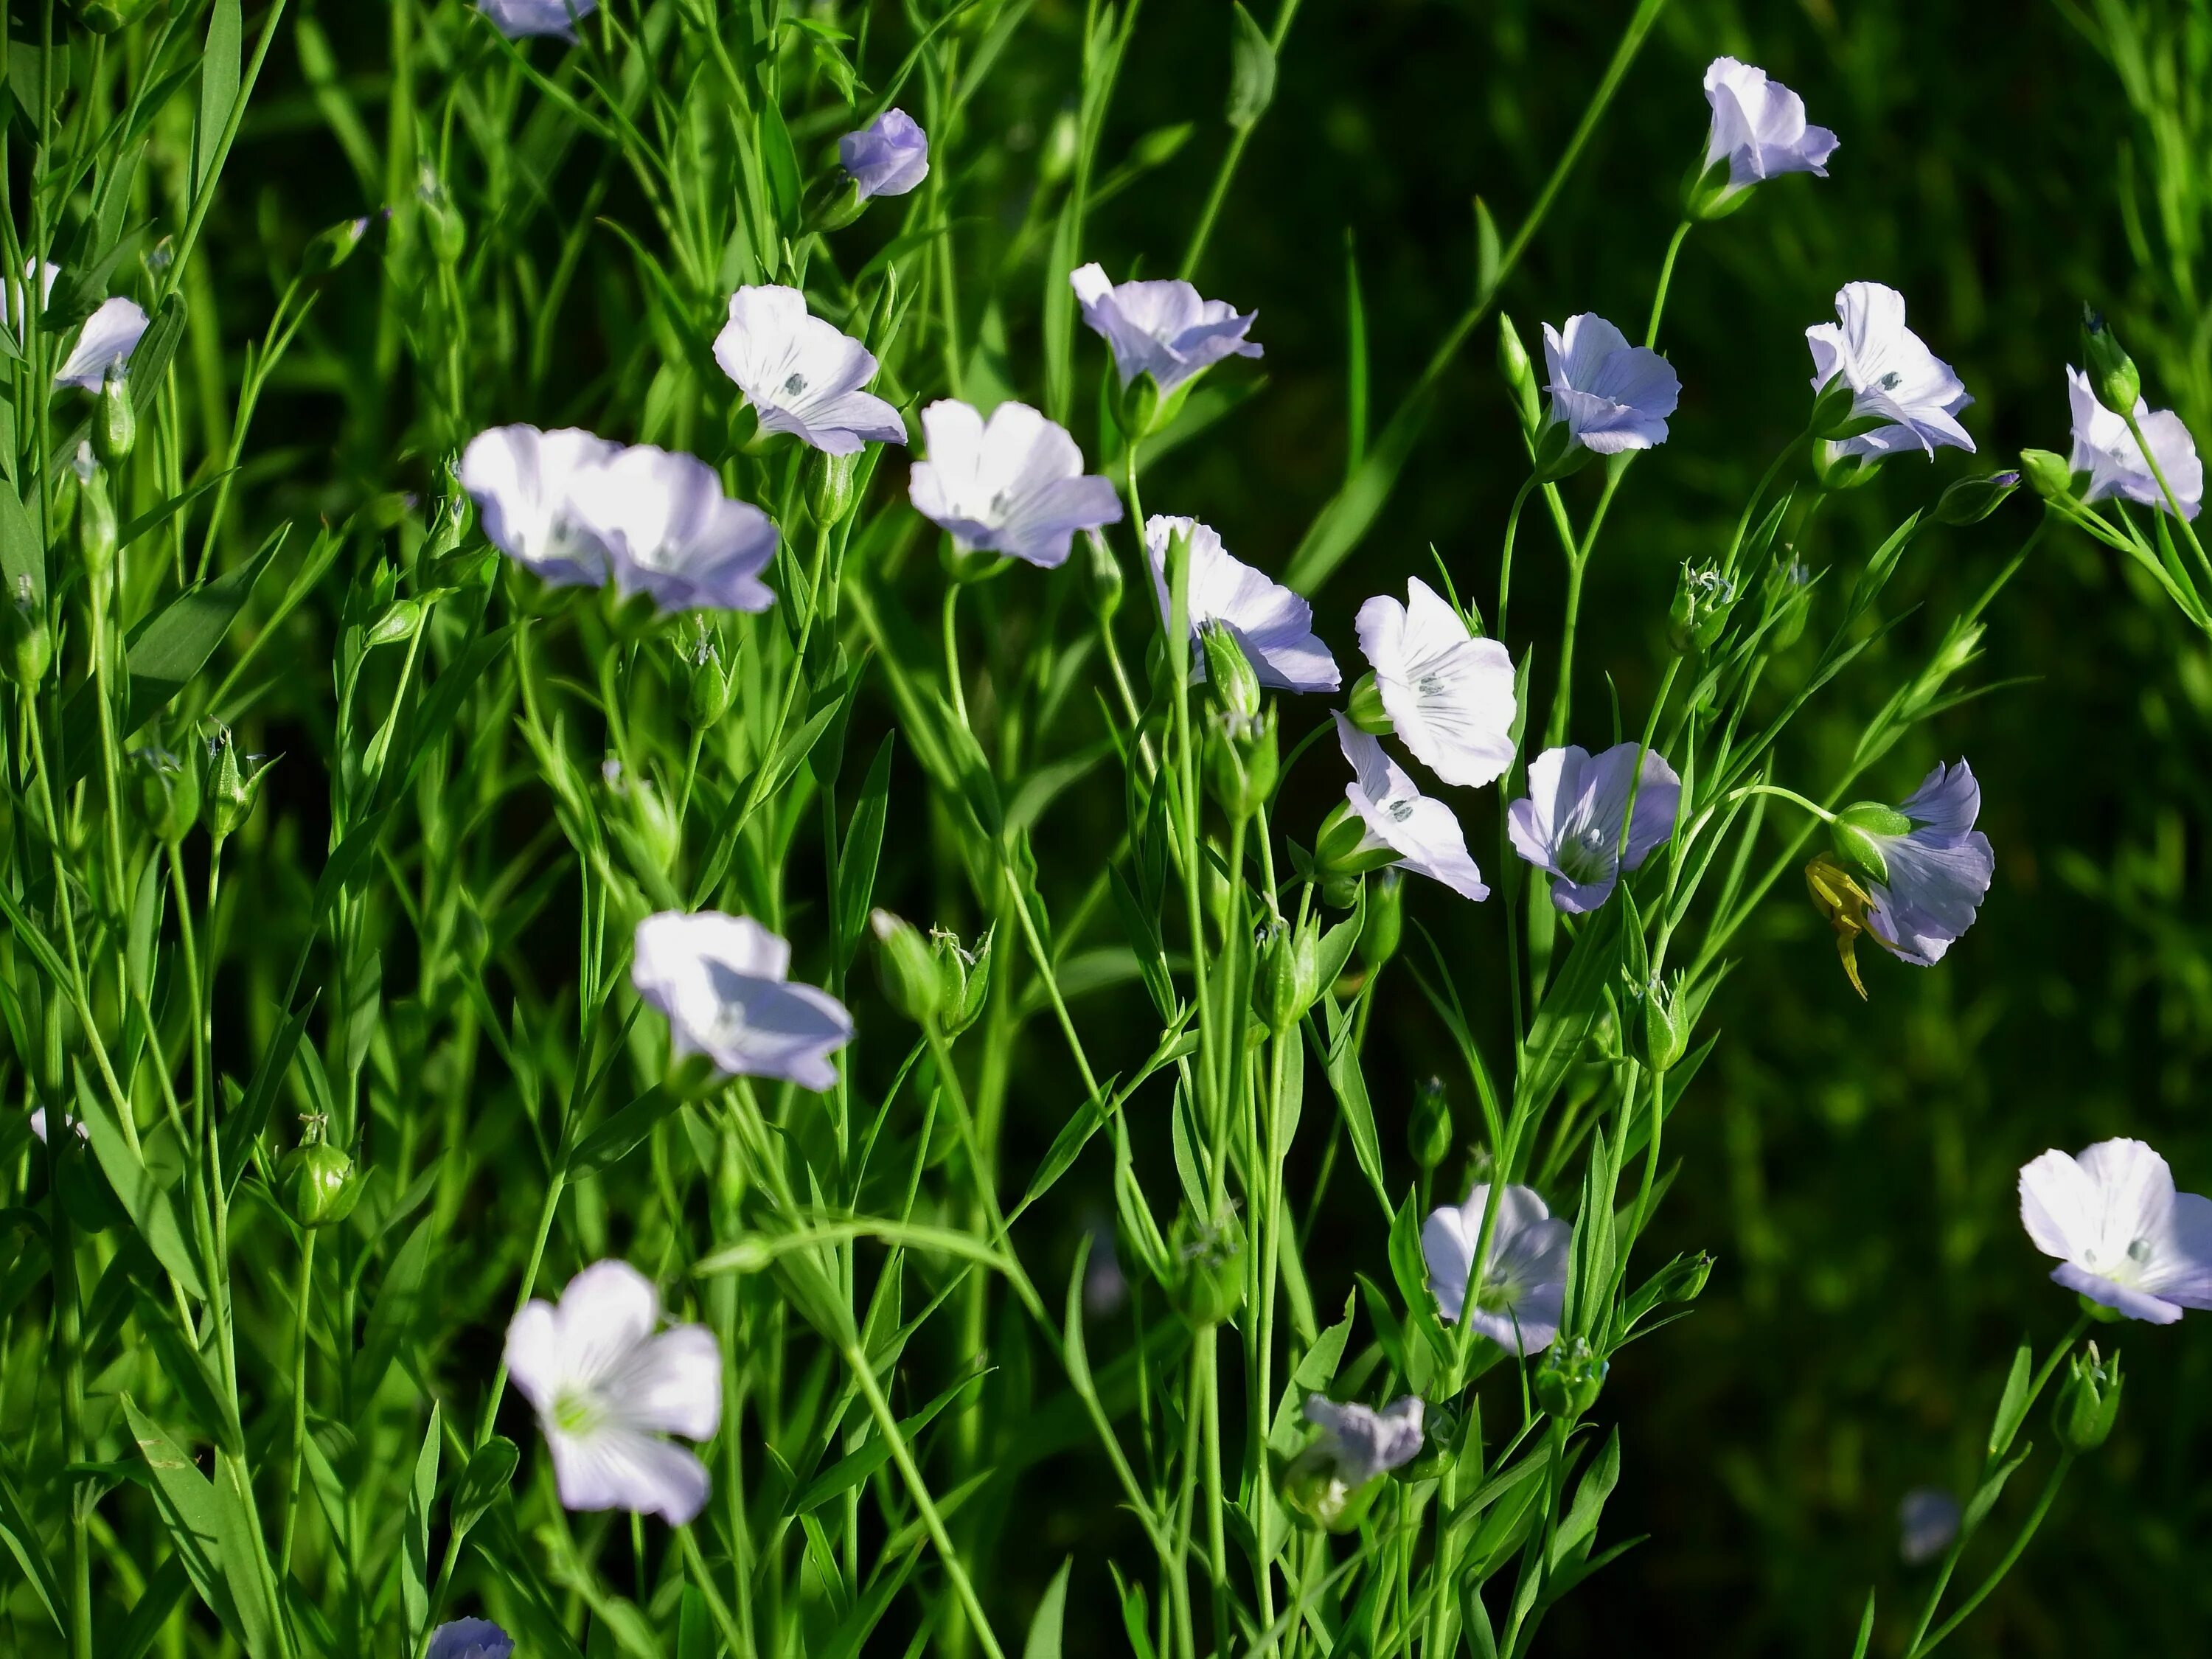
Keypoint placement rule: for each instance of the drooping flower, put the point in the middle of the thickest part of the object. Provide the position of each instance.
(2124, 1236)
(1273, 625)
(721, 981)
(104, 344)
(1163, 329)
(1520, 1296)
(470, 1638)
(1422, 831)
(521, 481)
(608, 1387)
(1927, 866)
(801, 375)
(1891, 375)
(670, 531)
(1360, 1442)
(1758, 128)
(1609, 395)
(520, 19)
(1569, 821)
(887, 157)
(2105, 450)
(1013, 484)
(1448, 692)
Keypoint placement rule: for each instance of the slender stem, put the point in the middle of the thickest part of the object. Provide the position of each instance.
(1505, 552)
(1666, 281)
(1744, 792)
(1238, 138)
(2027, 1532)
(953, 676)
(298, 1404)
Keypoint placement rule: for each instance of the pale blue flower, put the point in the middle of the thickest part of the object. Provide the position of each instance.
(670, 532)
(1759, 127)
(801, 375)
(1359, 1443)
(520, 19)
(723, 983)
(1164, 328)
(1937, 871)
(1449, 691)
(470, 1638)
(1520, 1296)
(2105, 450)
(887, 157)
(1927, 1522)
(1892, 376)
(521, 480)
(1271, 624)
(1610, 396)
(2124, 1238)
(1569, 821)
(1424, 832)
(1013, 484)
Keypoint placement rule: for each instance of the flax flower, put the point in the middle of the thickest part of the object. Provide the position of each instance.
(887, 157)
(670, 531)
(1932, 866)
(1422, 831)
(2105, 450)
(1609, 395)
(1891, 376)
(1448, 691)
(1274, 626)
(2124, 1236)
(1361, 1443)
(521, 480)
(801, 375)
(609, 1388)
(1759, 128)
(1520, 1296)
(722, 982)
(1569, 821)
(1013, 484)
(1162, 329)
(517, 19)
(470, 1638)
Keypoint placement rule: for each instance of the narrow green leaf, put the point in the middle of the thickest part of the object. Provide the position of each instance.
(487, 1479)
(421, 1497)
(399, 1302)
(2013, 1406)
(245, 1559)
(152, 1205)
(1043, 1641)
(220, 67)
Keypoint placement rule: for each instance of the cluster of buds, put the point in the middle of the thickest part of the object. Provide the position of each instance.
(934, 981)
(176, 791)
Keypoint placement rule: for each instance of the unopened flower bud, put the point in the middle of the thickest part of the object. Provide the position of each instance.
(1229, 671)
(1858, 832)
(1789, 605)
(399, 622)
(317, 1181)
(1208, 1264)
(2047, 474)
(909, 970)
(1568, 1382)
(97, 535)
(1429, 1131)
(833, 485)
(30, 645)
(1658, 1028)
(447, 231)
(1683, 1280)
(1520, 374)
(711, 684)
(2088, 1402)
(1971, 500)
(964, 980)
(1704, 599)
(1142, 409)
(1242, 763)
(114, 420)
(1385, 922)
(1287, 978)
(1366, 711)
(106, 16)
(330, 248)
(2112, 373)
(168, 794)
(1102, 576)
(233, 784)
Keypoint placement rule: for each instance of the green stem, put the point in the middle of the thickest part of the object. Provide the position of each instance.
(1238, 138)
(1666, 281)
(1996, 1574)
(299, 1405)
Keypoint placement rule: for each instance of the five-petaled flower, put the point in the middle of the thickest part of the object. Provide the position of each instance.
(1273, 625)
(1520, 1296)
(1909, 398)
(1013, 484)
(1164, 328)
(1609, 395)
(801, 375)
(1449, 691)
(522, 481)
(1759, 128)
(887, 157)
(1569, 821)
(608, 1387)
(2124, 1236)
(1421, 831)
(2105, 450)
(670, 531)
(1930, 867)
(722, 982)
(520, 19)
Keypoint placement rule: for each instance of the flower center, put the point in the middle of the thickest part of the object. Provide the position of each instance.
(1400, 810)
(575, 1412)
(794, 385)
(2125, 1267)
(1586, 855)
(1429, 685)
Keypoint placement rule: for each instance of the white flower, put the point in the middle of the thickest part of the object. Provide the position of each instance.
(801, 375)
(39, 1125)
(1610, 395)
(520, 479)
(720, 980)
(1758, 128)
(1569, 821)
(1421, 832)
(608, 1387)
(1448, 692)
(887, 157)
(1014, 484)
(2105, 450)
(1892, 376)
(106, 342)
(1361, 1443)
(670, 532)
(1521, 1294)
(2124, 1236)
(518, 18)
(1274, 626)
(1161, 329)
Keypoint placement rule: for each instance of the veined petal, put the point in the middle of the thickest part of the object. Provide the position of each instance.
(615, 1467)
